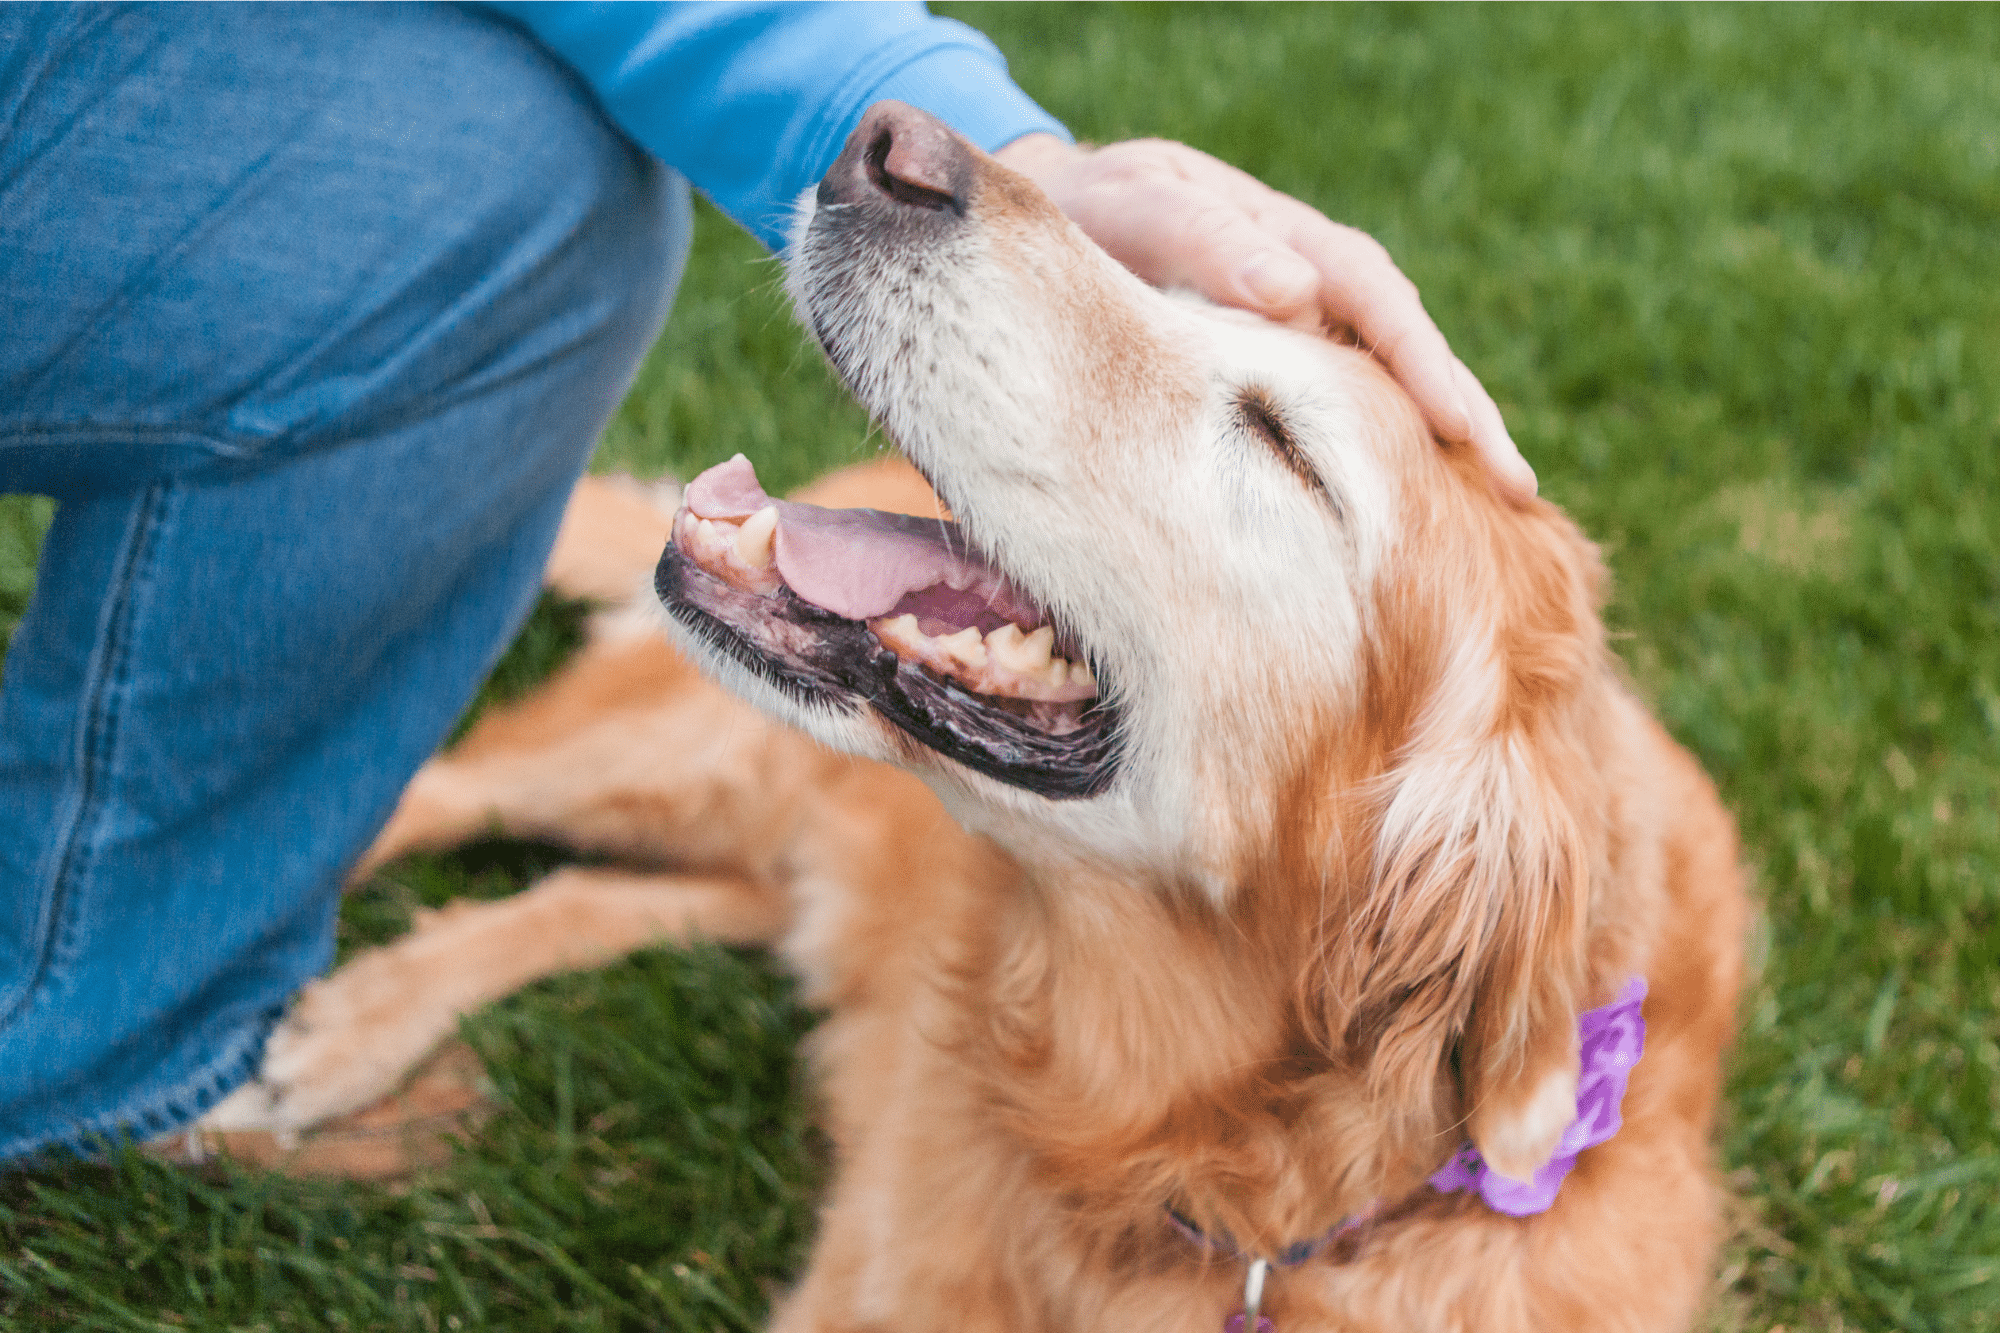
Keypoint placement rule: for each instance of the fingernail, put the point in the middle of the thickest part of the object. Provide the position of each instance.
(1467, 427)
(1276, 278)
(1523, 482)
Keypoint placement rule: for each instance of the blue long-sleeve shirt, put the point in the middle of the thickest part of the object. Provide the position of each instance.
(751, 102)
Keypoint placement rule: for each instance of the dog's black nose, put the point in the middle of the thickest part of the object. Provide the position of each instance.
(903, 155)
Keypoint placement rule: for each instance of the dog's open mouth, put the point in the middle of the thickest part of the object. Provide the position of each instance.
(898, 611)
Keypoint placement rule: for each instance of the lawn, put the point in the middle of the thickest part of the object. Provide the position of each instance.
(1721, 268)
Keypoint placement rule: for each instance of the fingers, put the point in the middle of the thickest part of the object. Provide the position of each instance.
(1224, 254)
(1177, 233)
(1361, 289)
(1177, 218)
(1509, 470)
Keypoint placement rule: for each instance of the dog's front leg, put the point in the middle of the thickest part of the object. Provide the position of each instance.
(351, 1037)
(626, 752)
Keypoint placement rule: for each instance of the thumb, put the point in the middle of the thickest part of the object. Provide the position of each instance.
(1184, 236)
(1275, 282)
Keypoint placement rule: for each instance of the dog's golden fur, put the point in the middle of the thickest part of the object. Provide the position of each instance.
(1017, 1074)
(1031, 1053)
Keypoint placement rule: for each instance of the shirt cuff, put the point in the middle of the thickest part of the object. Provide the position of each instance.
(968, 91)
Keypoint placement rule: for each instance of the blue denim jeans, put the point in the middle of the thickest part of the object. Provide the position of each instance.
(309, 318)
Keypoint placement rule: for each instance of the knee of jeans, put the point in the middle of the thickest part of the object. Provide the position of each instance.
(520, 233)
(576, 206)
(249, 231)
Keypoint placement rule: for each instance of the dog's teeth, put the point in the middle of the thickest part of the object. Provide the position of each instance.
(901, 632)
(1025, 653)
(708, 539)
(1006, 662)
(756, 539)
(1005, 646)
(965, 646)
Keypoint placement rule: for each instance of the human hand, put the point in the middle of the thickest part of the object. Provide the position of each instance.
(1178, 217)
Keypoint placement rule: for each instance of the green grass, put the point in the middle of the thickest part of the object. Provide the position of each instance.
(1730, 274)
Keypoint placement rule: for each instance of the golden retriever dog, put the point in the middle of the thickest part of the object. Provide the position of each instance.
(1229, 856)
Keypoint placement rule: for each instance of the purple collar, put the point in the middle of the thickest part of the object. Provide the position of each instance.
(1290, 1257)
(1613, 1038)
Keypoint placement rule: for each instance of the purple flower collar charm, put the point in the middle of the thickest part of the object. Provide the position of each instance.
(1612, 1039)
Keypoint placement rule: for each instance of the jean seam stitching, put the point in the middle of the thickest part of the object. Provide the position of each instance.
(33, 433)
(97, 733)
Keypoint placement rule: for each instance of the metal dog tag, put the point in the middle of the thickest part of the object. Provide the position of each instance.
(1253, 1300)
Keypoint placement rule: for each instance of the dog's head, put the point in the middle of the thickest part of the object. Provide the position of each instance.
(1216, 614)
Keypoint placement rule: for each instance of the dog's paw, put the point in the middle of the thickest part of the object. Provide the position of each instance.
(348, 1040)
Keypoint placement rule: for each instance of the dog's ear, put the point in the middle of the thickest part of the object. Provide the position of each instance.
(1469, 937)
(1471, 940)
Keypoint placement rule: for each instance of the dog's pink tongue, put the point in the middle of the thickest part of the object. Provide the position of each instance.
(857, 563)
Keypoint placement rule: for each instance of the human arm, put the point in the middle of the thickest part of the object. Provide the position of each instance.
(752, 102)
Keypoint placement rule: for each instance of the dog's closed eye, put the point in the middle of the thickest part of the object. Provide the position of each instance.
(1260, 415)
